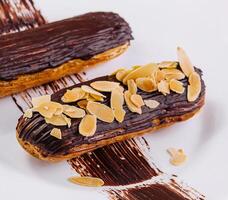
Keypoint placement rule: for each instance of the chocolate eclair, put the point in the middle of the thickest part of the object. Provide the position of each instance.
(108, 109)
(51, 51)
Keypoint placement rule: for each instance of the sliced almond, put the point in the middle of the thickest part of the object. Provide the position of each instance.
(136, 67)
(173, 74)
(146, 84)
(28, 113)
(88, 125)
(121, 74)
(178, 156)
(48, 109)
(159, 75)
(119, 114)
(101, 111)
(73, 111)
(96, 98)
(168, 64)
(118, 70)
(57, 120)
(132, 87)
(104, 86)
(36, 101)
(73, 95)
(55, 132)
(137, 100)
(176, 86)
(87, 181)
(130, 105)
(68, 121)
(151, 103)
(144, 71)
(90, 90)
(194, 88)
(82, 104)
(185, 63)
(163, 87)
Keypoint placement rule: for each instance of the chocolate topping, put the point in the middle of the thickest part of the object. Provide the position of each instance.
(53, 44)
(37, 132)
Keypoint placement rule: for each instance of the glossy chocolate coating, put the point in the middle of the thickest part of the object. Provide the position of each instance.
(53, 44)
(37, 132)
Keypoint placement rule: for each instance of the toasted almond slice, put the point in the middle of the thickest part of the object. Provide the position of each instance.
(115, 72)
(163, 87)
(117, 99)
(194, 88)
(57, 120)
(121, 74)
(144, 71)
(101, 111)
(132, 87)
(96, 98)
(137, 100)
(146, 84)
(87, 181)
(173, 74)
(88, 125)
(48, 109)
(159, 75)
(82, 104)
(151, 103)
(176, 86)
(28, 113)
(178, 156)
(168, 64)
(73, 111)
(130, 105)
(68, 121)
(104, 86)
(185, 63)
(36, 101)
(73, 95)
(136, 67)
(90, 90)
(119, 114)
(55, 132)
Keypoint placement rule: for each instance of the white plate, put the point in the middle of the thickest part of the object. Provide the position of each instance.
(158, 27)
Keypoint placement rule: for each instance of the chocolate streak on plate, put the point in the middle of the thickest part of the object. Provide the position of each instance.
(53, 44)
(171, 109)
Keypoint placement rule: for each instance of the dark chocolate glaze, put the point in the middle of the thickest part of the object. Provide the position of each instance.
(37, 132)
(122, 163)
(53, 44)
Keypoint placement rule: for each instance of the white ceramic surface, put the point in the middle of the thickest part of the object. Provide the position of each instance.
(158, 26)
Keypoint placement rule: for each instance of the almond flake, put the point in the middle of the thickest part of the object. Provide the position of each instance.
(55, 132)
(88, 125)
(28, 113)
(132, 87)
(87, 181)
(146, 84)
(96, 98)
(36, 101)
(178, 156)
(104, 86)
(173, 74)
(82, 104)
(73, 95)
(194, 88)
(163, 87)
(101, 111)
(121, 74)
(137, 100)
(130, 105)
(185, 63)
(117, 101)
(176, 86)
(119, 114)
(151, 103)
(115, 72)
(57, 120)
(168, 64)
(159, 75)
(73, 111)
(90, 90)
(48, 109)
(144, 71)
